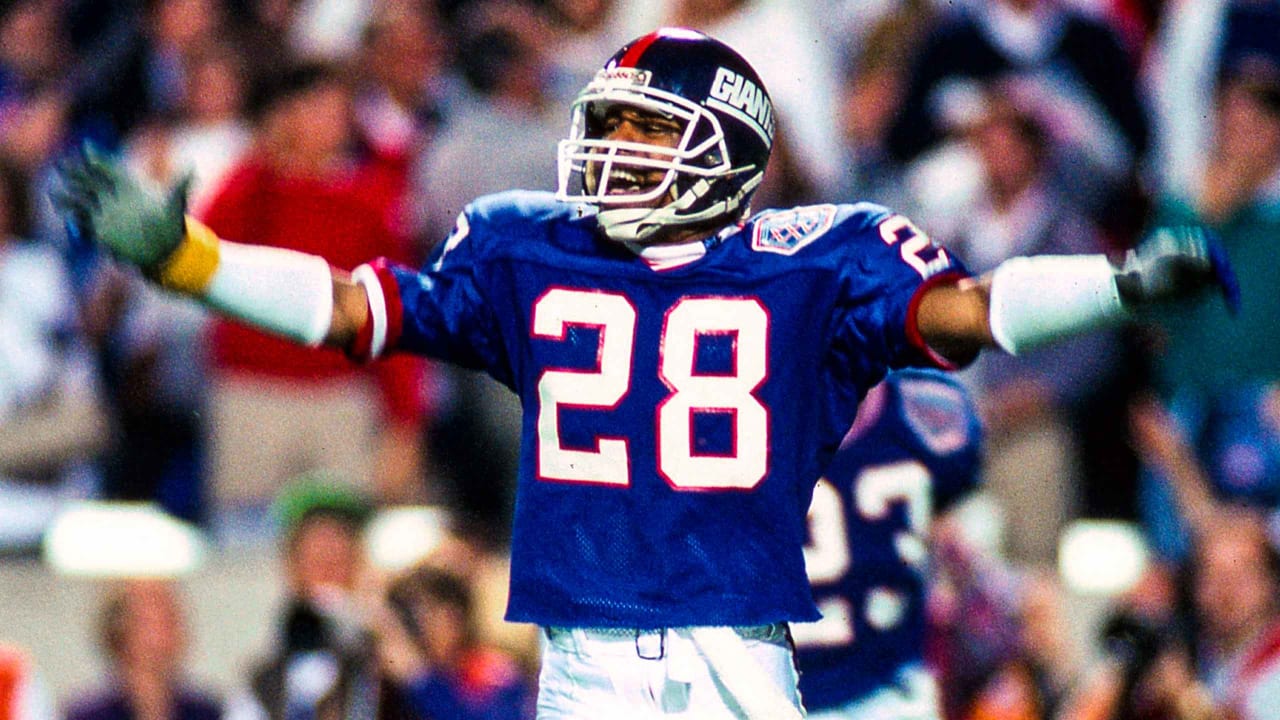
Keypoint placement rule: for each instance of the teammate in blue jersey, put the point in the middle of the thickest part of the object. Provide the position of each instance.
(913, 451)
(686, 368)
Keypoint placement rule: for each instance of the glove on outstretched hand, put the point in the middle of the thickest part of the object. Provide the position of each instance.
(1177, 262)
(109, 205)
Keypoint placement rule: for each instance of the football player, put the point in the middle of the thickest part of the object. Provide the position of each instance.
(912, 452)
(685, 367)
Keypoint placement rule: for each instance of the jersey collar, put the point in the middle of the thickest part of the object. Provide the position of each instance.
(676, 255)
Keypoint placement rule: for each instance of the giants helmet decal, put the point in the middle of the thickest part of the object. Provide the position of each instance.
(720, 160)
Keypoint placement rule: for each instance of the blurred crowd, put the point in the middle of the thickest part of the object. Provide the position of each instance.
(360, 128)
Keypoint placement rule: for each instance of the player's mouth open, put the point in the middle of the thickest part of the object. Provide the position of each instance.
(626, 182)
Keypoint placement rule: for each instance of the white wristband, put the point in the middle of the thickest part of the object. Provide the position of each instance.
(285, 292)
(368, 279)
(1035, 300)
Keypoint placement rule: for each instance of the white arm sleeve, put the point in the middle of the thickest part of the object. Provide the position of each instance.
(284, 292)
(1035, 300)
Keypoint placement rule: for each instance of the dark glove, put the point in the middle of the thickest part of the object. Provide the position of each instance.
(1177, 262)
(109, 205)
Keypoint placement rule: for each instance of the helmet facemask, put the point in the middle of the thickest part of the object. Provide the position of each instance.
(593, 169)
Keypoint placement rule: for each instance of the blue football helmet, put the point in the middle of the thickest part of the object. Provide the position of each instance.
(728, 127)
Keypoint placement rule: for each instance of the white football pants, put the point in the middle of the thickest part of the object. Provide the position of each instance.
(588, 674)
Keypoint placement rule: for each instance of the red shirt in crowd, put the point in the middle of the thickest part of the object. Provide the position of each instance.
(347, 217)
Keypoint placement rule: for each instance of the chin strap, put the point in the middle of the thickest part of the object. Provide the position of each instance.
(640, 225)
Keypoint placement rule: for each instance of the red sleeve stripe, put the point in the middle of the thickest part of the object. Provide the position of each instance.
(636, 51)
(394, 307)
(913, 326)
(382, 332)
(377, 324)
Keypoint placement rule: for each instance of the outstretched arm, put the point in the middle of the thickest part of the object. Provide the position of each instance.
(953, 318)
(289, 293)
(350, 312)
(1163, 447)
(1028, 302)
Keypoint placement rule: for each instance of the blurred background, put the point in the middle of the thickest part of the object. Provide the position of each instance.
(197, 517)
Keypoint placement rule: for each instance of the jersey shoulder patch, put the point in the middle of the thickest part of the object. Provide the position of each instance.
(785, 232)
(936, 409)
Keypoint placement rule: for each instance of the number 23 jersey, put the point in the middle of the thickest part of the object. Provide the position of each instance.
(674, 421)
(913, 452)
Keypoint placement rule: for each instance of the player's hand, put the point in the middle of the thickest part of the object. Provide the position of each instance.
(109, 205)
(1177, 262)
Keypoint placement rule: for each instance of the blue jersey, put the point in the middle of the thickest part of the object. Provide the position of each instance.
(913, 450)
(674, 421)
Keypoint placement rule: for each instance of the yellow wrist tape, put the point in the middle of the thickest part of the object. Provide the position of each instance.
(191, 267)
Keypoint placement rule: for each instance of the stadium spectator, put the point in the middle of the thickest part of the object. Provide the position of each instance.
(1041, 459)
(137, 70)
(403, 89)
(476, 549)
(1236, 593)
(1201, 351)
(1075, 61)
(322, 663)
(587, 30)
(1233, 567)
(154, 346)
(1197, 41)
(1036, 38)
(206, 133)
(1145, 669)
(143, 636)
(973, 615)
(53, 422)
(35, 130)
(1032, 680)
(1223, 663)
(429, 645)
(276, 409)
(871, 90)
(503, 55)
(1203, 453)
(33, 48)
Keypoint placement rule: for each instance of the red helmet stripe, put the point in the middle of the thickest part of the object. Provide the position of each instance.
(637, 49)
